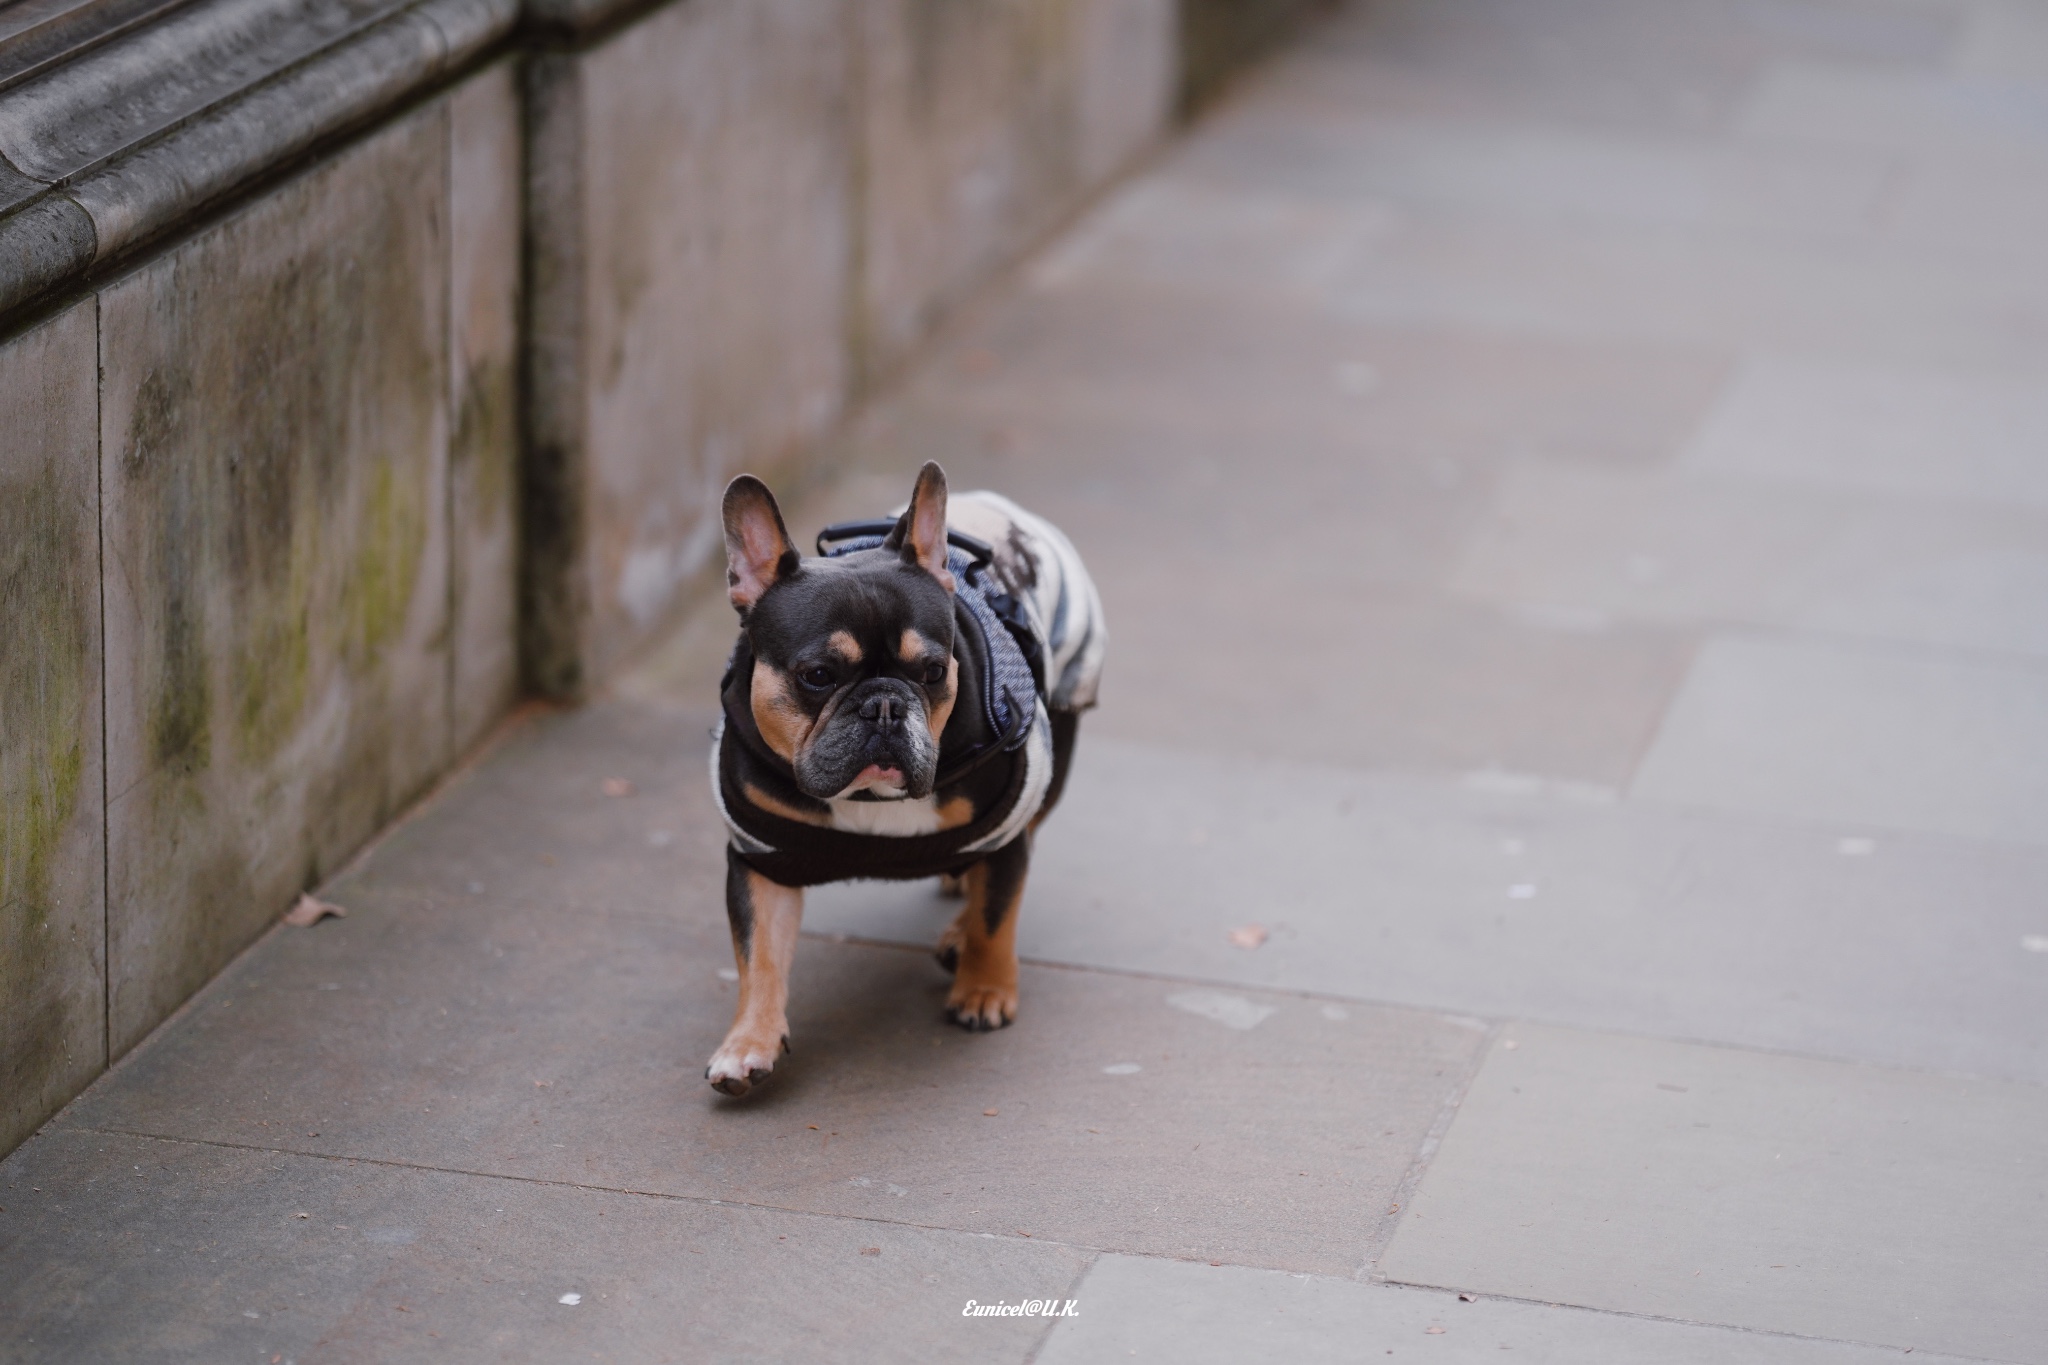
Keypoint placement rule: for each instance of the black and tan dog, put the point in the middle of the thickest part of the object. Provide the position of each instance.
(902, 706)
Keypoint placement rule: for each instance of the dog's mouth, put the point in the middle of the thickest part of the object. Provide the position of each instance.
(876, 783)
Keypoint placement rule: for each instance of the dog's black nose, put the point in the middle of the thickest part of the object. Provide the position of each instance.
(882, 711)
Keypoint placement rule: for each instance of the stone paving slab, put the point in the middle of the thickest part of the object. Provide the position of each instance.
(1410, 266)
(1975, 437)
(422, 1029)
(1134, 1308)
(2003, 40)
(1996, 207)
(1629, 915)
(1650, 546)
(1825, 731)
(1298, 382)
(1772, 1192)
(1874, 300)
(1820, 102)
(1547, 171)
(1610, 63)
(534, 823)
(128, 1248)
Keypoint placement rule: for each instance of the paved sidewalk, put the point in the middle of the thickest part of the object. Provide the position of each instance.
(1569, 484)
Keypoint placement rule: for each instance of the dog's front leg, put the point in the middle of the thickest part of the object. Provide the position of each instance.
(765, 917)
(984, 994)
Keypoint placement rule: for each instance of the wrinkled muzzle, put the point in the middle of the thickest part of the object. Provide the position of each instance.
(879, 723)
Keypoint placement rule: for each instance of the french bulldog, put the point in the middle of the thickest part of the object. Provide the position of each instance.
(902, 705)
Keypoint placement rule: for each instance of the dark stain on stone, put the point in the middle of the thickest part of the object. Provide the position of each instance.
(154, 464)
(36, 1060)
(46, 602)
(284, 468)
(483, 450)
(551, 592)
(935, 27)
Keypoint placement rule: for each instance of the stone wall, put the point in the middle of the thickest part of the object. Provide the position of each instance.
(690, 203)
(365, 361)
(52, 902)
(744, 213)
(278, 420)
(275, 466)
(1218, 38)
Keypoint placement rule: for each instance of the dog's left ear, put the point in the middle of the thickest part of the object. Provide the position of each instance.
(920, 533)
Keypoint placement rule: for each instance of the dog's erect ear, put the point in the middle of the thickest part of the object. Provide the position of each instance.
(757, 548)
(920, 533)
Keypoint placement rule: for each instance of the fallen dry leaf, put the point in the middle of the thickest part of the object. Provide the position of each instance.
(1249, 936)
(870, 1251)
(1433, 1331)
(988, 1113)
(307, 911)
(616, 786)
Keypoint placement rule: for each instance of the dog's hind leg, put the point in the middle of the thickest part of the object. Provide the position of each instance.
(984, 994)
(765, 917)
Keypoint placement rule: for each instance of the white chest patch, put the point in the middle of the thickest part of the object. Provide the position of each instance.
(896, 819)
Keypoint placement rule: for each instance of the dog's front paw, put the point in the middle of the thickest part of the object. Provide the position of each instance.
(744, 1059)
(982, 1008)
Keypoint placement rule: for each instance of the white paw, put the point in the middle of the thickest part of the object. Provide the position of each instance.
(744, 1059)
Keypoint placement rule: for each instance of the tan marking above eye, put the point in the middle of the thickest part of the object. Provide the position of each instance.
(843, 644)
(911, 648)
(782, 723)
(788, 812)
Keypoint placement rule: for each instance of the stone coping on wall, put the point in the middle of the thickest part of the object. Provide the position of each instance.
(121, 120)
(141, 133)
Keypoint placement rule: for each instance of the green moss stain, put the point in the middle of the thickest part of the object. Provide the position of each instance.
(286, 395)
(390, 540)
(45, 651)
(273, 661)
(482, 449)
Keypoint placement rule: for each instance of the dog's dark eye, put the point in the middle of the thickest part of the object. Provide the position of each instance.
(934, 674)
(819, 678)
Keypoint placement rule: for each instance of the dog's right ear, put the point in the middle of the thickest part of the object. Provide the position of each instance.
(757, 549)
(920, 533)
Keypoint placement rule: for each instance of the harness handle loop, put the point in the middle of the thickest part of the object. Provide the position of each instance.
(976, 549)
